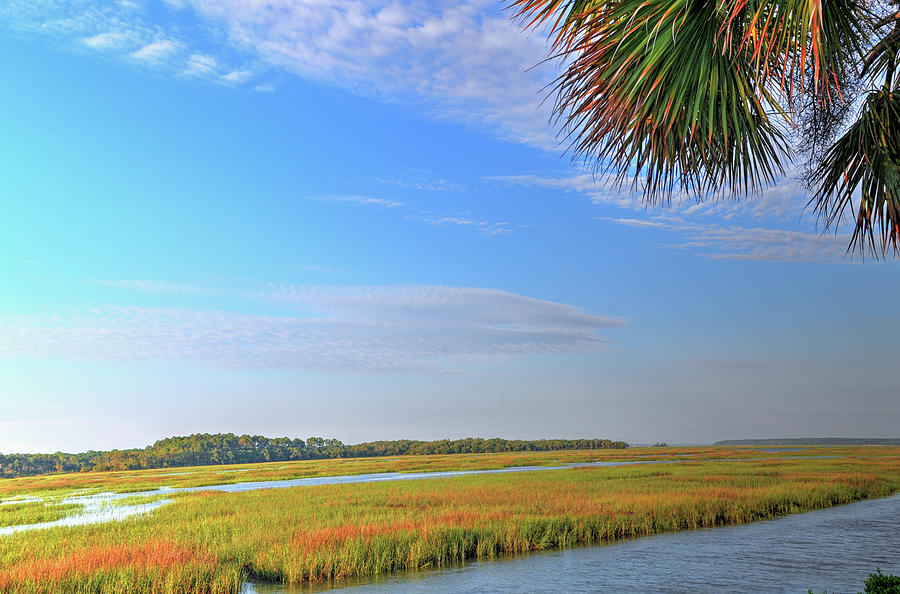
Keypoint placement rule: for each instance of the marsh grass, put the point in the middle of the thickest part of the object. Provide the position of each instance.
(35, 512)
(211, 541)
(134, 481)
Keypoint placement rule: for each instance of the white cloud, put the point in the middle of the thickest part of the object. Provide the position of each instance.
(445, 305)
(780, 202)
(410, 329)
(237, 77)
(440, 220)
(714, 228)
(156, 51)
(363, 200)
(104, 41)
(776, 245)
(150, 286)
(637, 222)
(421, 181)
(463, 60)
(733, 242)
(201, 65)
(600, 189)
(424, 216)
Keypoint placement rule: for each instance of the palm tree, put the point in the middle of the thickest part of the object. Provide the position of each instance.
(708, 97)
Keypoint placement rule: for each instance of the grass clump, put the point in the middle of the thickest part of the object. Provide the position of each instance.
(35, 512)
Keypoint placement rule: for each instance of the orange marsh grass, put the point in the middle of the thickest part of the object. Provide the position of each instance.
(334, 531)
(190, 476)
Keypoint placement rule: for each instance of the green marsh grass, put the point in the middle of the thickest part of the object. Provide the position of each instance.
(35, 512)
(211, 541)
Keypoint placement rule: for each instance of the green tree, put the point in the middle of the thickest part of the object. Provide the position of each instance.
(879, 583)
(702, 96)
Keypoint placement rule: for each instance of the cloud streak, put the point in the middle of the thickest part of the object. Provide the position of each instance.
(428, 217)
(721, 228)
(347, 330)
(459, 60)
(162, 287)
(733, 242)
(780, 202)
(360, 200)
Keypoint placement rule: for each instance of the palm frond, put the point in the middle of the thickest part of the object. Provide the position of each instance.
(650, 94)
(681, 94)
(691, 95)
(863, 168)
(882, 59)
(795, 41)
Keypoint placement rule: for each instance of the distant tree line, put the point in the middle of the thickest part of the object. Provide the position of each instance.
(226, 448)
(811, 441)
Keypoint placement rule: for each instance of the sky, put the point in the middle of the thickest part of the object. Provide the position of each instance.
(354, 219)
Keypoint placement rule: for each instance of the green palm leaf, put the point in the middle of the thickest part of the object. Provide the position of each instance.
(696, 95)
(650, 94)
(862, 168)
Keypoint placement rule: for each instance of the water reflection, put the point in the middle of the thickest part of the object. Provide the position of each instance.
(97, 508)
(833, 549)
(96, 505)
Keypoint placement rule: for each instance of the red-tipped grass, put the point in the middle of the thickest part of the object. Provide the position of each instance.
(209, 541)
(153, 566)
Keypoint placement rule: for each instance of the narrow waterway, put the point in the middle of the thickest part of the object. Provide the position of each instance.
(833, 549)
(106, 507)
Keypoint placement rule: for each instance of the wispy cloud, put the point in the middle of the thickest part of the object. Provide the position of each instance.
(162, 287)
(236, 77)
(420, 181)
(783, 201)
(385, 329)
(733, 242)
(428, 217)
(462, 60)
(157, 50)
(200, 65)
(599, 190)
(719, 228)
(104, 41)
(441, 220)
(362, 200)
(443, 304)
(774, 245)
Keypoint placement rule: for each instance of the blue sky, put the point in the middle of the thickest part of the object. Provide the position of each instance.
(352, 219)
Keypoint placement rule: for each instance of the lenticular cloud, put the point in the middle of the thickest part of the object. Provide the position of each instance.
(417, 329)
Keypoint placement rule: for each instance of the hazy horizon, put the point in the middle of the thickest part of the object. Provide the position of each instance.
(355, 221)
(456, 437)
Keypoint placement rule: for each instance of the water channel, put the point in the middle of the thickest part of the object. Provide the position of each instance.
(832, 549)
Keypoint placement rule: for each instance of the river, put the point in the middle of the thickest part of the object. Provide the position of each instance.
(833, 549)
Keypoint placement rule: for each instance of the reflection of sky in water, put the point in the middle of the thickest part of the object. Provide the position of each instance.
(20, 500)
(97, 508)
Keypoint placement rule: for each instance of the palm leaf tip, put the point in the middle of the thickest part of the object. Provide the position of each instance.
(859, 177)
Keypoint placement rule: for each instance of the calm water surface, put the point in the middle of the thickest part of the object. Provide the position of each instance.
(833, 549)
